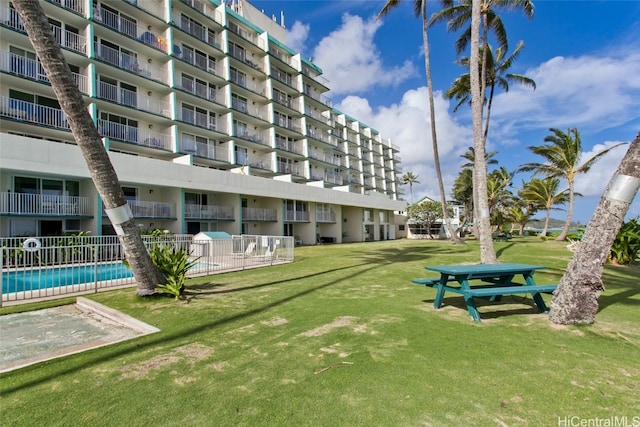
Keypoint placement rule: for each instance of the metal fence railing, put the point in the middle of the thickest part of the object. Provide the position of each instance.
(49, 267)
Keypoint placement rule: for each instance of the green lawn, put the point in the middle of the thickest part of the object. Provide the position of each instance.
(341, 337)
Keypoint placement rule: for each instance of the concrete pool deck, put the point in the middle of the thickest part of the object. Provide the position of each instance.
(36, 336)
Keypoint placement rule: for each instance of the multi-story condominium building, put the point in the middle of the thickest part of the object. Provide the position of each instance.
(211, 122)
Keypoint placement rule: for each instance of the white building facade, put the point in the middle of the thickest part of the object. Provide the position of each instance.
(211, 122)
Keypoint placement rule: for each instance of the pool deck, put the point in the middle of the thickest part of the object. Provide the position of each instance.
(40, 335)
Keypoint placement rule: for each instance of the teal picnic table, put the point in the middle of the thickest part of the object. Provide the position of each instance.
(490, 281)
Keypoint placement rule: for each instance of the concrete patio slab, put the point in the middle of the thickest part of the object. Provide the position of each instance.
(36, 336)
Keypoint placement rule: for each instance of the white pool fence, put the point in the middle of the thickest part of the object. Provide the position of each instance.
(44, 267)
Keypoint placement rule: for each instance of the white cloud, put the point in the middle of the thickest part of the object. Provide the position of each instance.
(351, 61)
(588, 92)
(297, 36)
(594, 182)
(407, 122)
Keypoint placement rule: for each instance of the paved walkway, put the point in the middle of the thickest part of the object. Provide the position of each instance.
(35, 336)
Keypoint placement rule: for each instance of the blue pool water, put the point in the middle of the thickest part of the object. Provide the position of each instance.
(30, 280)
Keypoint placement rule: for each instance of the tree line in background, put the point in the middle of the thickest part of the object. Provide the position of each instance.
(486, 195)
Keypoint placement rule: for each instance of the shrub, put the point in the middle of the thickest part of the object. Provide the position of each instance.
(626, 246)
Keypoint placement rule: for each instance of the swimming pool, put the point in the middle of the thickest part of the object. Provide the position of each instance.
(54, 277)
(57, 277)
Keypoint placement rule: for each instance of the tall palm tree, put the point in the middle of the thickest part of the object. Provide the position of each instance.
(496, 75)
(89, 141)
(483, 218)
(470, 156)
(562, 153)
(420, 10)
(576, 299)
(544, 194)
(498, 193)
(409, 179)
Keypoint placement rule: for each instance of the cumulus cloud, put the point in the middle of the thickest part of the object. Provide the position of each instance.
(594, 182)
(588, 92)
(297, 36)
(351, 61)
(408, 124)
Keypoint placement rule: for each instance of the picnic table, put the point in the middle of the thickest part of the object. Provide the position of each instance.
(490, 281)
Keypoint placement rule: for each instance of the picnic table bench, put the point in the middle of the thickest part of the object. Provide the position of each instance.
(504, 237)
(490, 281)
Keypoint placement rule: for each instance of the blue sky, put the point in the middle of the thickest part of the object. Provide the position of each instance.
(583, 55)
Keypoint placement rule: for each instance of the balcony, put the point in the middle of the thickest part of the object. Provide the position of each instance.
(32, 113)
(221, 213)
(204, 150)
(296, 216)
(44, 204)
(144, 209)
(259, 214)
(259, 162)
(286, 168)
(32, 69)
(130, 63)
(134, 135)
(70, 39)
(320, 98)
(130, 28)
(252, 86)
(252, 110)
(201, 90)
(241, 55)
(132, 99)
(199, 31)
(289, 146)
(250, 136)
(317, 77)
(326, 157)
(326, 216)
(197, 118)
(287, 124)
(74, 5)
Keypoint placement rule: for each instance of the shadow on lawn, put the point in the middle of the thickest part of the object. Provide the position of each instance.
(138, 345)
(405, 255)
(494, 310)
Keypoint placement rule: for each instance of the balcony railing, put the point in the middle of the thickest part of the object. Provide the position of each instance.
(75, 5)
(130, 28)
(320, 79)
(325, 216)
(134, 135)
(290, 146)
(132, 99)
(201, 90)
(32, 69)
(44, 204)
(224, 213)
(323, 137)
(144, 209)
(289, 169)
(33, 113)
(283, 77)
(250, 136)
(70, 39)
(296, 216)
(260, 162)
(205, 8)
(130, 63)
(253, 86)
(287, 123)
(203, 150)
(197, 118)
(259, 214)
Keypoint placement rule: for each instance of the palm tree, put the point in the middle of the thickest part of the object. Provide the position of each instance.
(463, 192)
(496, 75)
(497, 193)
(482, 220)
(576, 299)
(410, 178)
(88, 140)
(562, 153)
(420, 10)
(544, 194)
(470, 156)
(519, 214)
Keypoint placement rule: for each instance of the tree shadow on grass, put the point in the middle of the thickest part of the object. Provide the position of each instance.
(149, 341)
(510, 305)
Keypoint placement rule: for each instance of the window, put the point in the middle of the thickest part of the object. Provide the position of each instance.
(24, 63)
(241, 156)
(237, 51)
(239, 103)
(238, 77)
(118, 127)
(130, 193)
(240, 129)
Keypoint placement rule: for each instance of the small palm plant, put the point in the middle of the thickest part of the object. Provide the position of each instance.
(174, 264)
(626, 246)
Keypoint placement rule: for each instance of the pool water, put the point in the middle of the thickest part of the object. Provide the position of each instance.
(30, 280)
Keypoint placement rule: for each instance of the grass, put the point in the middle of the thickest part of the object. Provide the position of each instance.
(341, 337)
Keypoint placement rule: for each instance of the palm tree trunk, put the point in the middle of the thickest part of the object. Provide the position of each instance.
(89, 141)
(432, 118)
(546, 223)
(576, 299)
(567, 223)
(487, 251)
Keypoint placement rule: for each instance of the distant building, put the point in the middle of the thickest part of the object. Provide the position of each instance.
(211, 122)
(419, 231)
